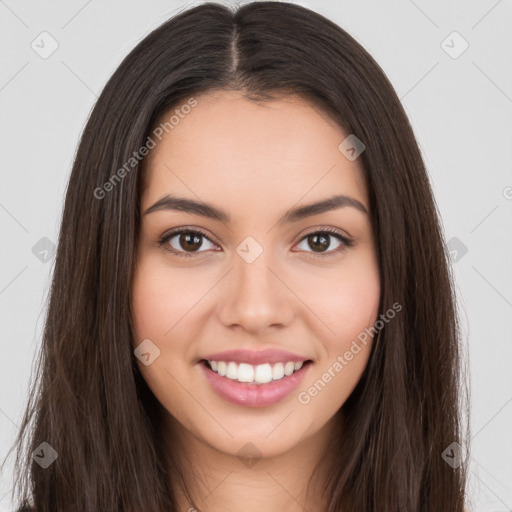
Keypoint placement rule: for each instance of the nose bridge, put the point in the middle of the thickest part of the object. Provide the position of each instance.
(252, 261)
(256, 297)
(253, 277)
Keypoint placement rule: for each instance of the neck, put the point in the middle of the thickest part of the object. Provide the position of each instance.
(293, 481)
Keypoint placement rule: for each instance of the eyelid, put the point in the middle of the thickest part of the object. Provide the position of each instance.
(326, 229)
(345, 239)
(168, 235)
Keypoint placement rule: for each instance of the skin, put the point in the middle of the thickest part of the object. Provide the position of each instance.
(255, 161)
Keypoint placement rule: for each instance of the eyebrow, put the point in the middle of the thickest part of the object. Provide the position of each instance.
(170, 202)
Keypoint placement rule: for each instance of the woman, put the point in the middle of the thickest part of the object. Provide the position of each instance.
(216, 340)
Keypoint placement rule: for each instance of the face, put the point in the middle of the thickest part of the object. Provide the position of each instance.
(257, 291)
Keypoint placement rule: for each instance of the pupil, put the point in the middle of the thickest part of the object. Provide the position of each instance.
(323, 244)
(186, 243)
(192, 242)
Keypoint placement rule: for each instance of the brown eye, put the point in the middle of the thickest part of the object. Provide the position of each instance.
(190, 241)
(320, 241)
(184, 242)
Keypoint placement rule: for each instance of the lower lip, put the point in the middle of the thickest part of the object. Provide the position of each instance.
(254, 395)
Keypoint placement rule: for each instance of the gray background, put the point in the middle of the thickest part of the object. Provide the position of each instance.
(460, 109)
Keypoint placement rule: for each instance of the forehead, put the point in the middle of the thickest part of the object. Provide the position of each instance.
(232, 149)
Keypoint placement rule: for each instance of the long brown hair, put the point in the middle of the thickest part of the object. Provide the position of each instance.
(89, 401)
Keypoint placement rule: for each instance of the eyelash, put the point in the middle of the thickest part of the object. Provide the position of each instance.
(346, 242)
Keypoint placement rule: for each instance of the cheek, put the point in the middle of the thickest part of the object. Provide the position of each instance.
(348, 303)
(155, 288)
(345, 301)
(355, 306)
(354, 311)
(158, 306)
(148, 303)
(161, 299)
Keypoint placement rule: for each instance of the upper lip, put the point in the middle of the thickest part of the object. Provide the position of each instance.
(256, 357)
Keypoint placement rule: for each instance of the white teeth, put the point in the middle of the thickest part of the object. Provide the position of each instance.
(278, 371)
(263, 373)
(232, 371)
(260, 374)
(221, 368)
(245, 372)
(289, 368)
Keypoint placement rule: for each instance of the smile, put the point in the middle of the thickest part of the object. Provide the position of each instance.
(259, 384)
(260, 374)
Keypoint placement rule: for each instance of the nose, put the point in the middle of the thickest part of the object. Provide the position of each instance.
(256, 297)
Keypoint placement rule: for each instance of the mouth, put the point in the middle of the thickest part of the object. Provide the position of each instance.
(255, 374)
(253, 385)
